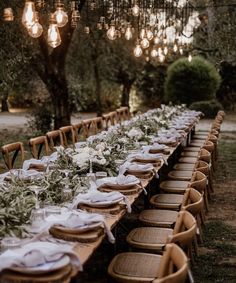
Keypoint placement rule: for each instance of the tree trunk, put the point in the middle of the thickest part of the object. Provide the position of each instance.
(5, 107)
(98, 89)
(126, 93)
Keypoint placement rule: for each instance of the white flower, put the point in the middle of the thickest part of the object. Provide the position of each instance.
(135, 133)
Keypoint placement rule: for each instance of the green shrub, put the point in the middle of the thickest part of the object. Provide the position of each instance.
(208, 107)
(188, 82)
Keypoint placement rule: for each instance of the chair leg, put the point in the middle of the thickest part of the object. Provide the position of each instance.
(195, 245)
(206, 202)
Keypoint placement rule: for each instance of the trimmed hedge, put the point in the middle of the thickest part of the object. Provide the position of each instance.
(208, 107)
(188, 82)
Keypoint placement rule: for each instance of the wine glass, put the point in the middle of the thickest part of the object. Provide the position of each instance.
(37, 189)
(66, 192)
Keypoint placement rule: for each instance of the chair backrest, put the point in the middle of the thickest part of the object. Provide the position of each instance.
(173, 266)
(194, 202)
(184, 230)
(205, 155)
(55, 138)
(80, 135)
(199, 181)
(10, 153)
(39, 145)
(110, 119)
(203, 167)
(209, 146)
(92, 126)
(68, 135)
(123, 114)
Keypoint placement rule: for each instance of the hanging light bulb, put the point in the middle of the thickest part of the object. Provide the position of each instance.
(160, 53)
(190, 58)
(149, 34)
(145, 43)
(61, 16)
(111, 33)
(54, 38)
(36, 29)
(154, 53)
(181, 51)
(175, 48)
(138, 52)
(128, 32)
(8, 15)
(162, 58)
(156, 40)
(165, 51)
(135, 10)
(142, 33)
(28, 17)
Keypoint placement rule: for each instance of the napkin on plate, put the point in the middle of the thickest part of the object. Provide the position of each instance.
(119, 180)
(74, 219)
(94, 196)
(43, 161)
(136, 167)
(37, 254)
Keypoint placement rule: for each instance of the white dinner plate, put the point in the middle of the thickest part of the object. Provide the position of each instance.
(47, 267)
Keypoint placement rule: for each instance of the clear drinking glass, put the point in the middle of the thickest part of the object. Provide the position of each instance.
(37, 217)
(101, 174)
(10, 243)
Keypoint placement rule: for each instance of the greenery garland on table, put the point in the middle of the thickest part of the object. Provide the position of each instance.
(16, 198)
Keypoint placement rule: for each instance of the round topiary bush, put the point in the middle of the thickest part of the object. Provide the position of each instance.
(188, 82)
(209, 107)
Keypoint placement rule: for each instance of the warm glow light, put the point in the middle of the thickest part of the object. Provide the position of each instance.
(111, 33)
(135, 10)
(28, 17)
(162, 58)
(128, 33)
(156, 40)
(165, 50)
(36, 29)
(190, 58)
(54, 38)
(149, 34)
(154, 53)
(175, 48)
(145, 43)
(181, 51)
(8, 15)
(138, 52)
(61, 17)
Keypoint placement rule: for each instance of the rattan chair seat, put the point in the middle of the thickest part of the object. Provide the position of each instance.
(180, 175)
(141, 267)
(192, 149)
(188, 159)
(196, 143)
(184, 166)
(167, 201)
(190, 153)
(174, 186)
(151, 238)
(158, 218)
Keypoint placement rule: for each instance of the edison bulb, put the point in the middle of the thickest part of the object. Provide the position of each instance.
(61, 17)
(162, 58)
(156, 40)
(111, 33)
(54, 38)
(35, 30)
(28, 17)
(181, 51)
(135, 10)
(138, 52)
(175, 48)
(128, 33)
(145, 43)
(142, 33)
(165, 51)
(149, 34)
(154, 53)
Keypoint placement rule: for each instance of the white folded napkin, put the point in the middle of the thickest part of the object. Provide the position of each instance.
(94, 196)
(74, 219)
(119, 180)
(37, 254)
(43, 161)
(135, 167)
(79, 144)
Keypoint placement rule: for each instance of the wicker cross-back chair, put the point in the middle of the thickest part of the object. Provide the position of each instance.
(38, 146)
(11, 153)
(171, 267)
